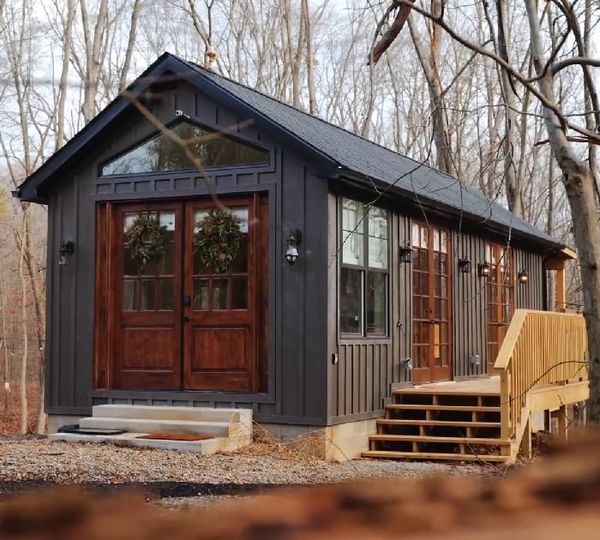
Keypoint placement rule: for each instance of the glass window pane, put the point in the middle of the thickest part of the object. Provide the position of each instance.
(239, 293)
(148, 295)
(128, 220)
(378, 234)
(376, 304)
(130, 265)
(167, 263)
(350, 301)
(352, 216)
(424, 237)
(167, 219)
(219, 294)
(161, 153)
(415, 235)
(242, 215)
(200, 301)
(129, 287)
(378, 252)
(165, 295)
(378, 223)
(353, 226)
(352, 252)
(240, 263)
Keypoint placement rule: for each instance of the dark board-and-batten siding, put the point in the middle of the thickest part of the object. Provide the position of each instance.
(361, 380)
(297, 313)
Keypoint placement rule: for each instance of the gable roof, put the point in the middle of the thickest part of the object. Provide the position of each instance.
(339, 152)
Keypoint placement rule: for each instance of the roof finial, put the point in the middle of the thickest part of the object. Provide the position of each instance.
(211, 56)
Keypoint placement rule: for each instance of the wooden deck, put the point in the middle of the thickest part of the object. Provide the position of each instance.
(484, 386)
(542, 366)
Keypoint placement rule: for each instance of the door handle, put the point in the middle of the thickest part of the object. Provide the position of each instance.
(187, 319)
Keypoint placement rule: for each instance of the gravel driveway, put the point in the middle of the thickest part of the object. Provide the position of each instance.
(42, 461)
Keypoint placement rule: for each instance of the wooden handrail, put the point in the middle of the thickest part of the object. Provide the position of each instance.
(540, 348)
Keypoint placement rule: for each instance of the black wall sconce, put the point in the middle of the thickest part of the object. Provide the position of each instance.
(66, 250)
(484, 269)
(464, 265)
(294, 239)
(523, 277)
(406, 254)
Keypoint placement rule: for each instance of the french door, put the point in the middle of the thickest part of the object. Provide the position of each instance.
(500, 292)
(431, 304)
(170, 323)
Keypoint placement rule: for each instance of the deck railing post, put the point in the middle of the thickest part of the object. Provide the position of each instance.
(505, 404)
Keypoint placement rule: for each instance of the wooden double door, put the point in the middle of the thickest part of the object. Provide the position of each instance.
(172, 324)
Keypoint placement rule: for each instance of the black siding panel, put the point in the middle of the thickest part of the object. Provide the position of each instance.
(297, 390)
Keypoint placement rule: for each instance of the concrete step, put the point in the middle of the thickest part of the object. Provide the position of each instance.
(192, 414)
(142, 425)
(205, 447)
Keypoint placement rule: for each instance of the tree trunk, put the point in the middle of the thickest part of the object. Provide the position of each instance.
(579, 185)
(24, 326)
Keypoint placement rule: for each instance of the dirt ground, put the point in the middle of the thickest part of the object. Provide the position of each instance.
(557, 497)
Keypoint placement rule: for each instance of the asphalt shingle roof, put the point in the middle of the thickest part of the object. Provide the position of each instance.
(372, 160)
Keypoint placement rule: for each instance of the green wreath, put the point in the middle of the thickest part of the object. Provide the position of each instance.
(147, 240)
(217, 240)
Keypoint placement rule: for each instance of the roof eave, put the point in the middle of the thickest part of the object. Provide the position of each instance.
(423, 200)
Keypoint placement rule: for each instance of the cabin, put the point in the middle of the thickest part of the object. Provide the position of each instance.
(358, 295)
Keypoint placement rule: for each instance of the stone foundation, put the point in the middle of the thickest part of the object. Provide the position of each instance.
(56, 421)
(341, 442)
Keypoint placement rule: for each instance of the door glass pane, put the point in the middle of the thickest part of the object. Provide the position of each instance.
(350, 301)
(168, 261)
(129, 295)
(219, 294)
(200, 301)
(376, 304)
(165, 295)
(242, 215)
(130, 266)
(240, 263)
(148, 295)
(128, 220)
(239, 293)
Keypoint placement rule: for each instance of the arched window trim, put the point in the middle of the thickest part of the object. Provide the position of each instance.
(238, 138)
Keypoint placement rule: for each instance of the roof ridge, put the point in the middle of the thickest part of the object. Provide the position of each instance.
(349, 132)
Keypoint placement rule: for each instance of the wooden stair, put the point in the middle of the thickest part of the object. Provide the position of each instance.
(427, 423)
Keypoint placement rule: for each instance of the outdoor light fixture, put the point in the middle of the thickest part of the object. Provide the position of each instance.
(523, 276)
(406, 254)
(484, 269)
(294, 239)
(66, 250)
(464, 265)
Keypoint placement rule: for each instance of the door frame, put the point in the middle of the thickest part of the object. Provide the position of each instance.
(436, 373)
(105, 302)
(496, 271)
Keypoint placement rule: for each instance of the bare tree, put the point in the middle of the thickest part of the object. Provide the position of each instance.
(577, 176)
